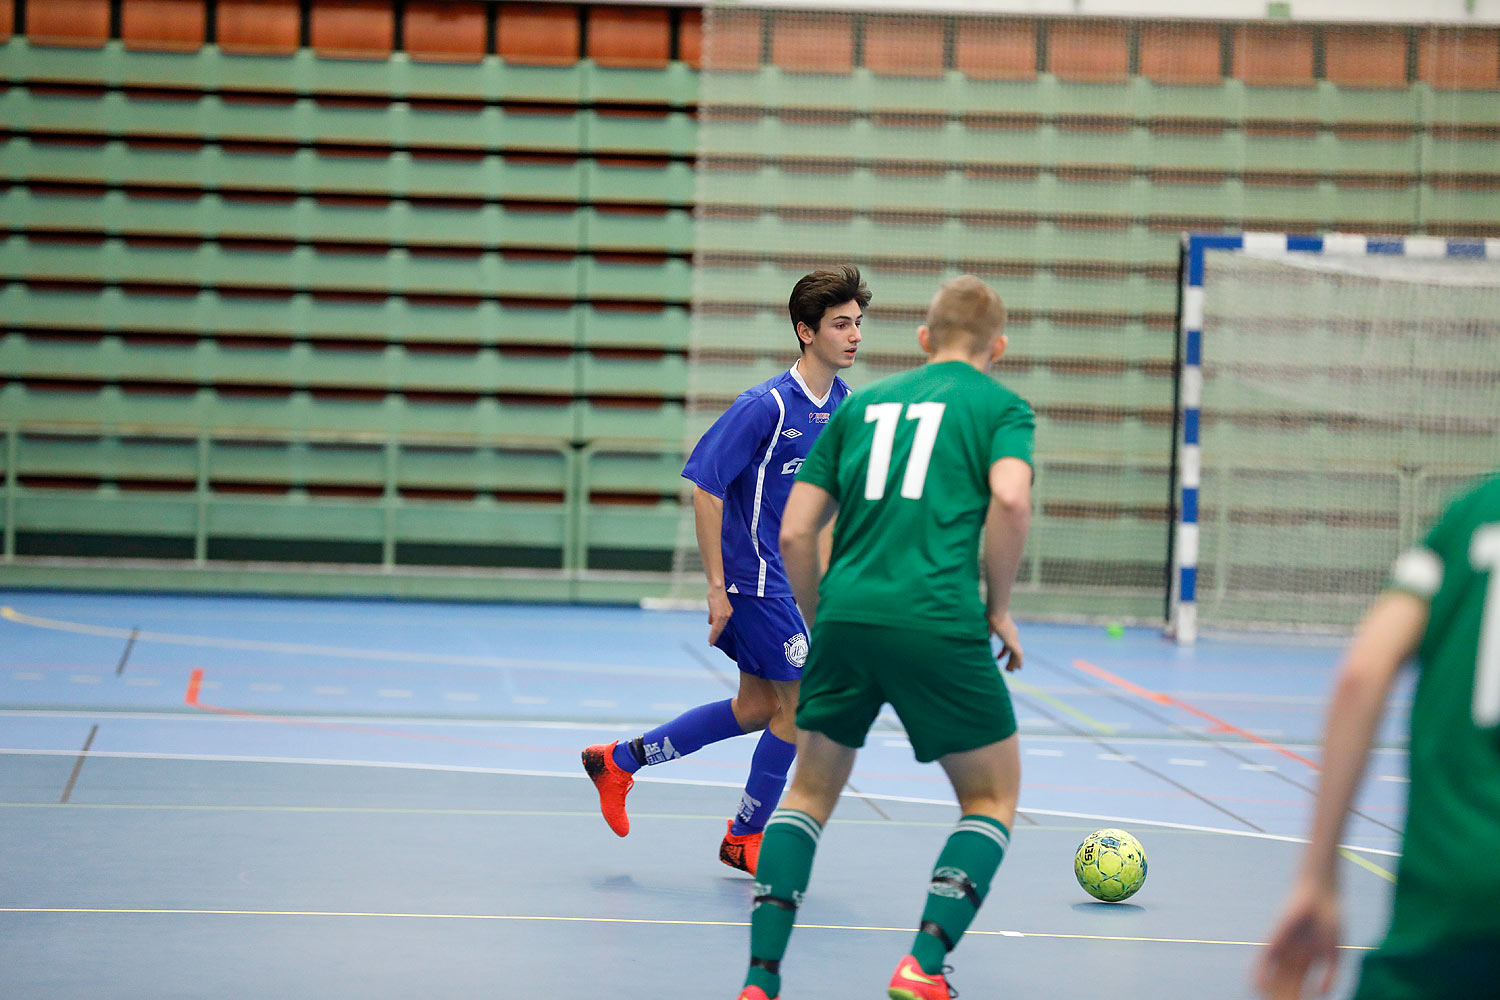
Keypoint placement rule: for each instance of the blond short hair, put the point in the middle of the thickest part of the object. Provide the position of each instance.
(967, 308)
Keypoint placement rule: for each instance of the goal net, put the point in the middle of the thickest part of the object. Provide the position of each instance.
(1348, 389)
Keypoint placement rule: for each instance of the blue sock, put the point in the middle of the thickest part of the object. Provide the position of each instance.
(692, 730)
(768, 768)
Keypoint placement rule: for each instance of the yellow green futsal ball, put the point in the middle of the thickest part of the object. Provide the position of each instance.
(1110, 865)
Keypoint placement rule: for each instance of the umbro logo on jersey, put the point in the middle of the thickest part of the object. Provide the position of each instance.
(791, 432)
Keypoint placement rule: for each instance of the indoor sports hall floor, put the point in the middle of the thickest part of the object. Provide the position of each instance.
(220, 797)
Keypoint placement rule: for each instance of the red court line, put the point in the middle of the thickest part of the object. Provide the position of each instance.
(195, 684)
(1165, 699)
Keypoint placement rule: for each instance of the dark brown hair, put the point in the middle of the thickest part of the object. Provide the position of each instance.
(814, 293)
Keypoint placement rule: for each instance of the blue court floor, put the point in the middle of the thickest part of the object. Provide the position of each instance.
(231, 797)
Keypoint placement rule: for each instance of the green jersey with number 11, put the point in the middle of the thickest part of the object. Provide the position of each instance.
(1448, 886)
(908, 460)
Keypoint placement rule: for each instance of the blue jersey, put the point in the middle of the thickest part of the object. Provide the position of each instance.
(748, 459)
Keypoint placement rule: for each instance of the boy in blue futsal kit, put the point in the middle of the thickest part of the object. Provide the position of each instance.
(742, 470)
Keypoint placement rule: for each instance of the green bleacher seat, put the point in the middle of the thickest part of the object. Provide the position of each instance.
(665, 327)
(106, 457)
(1123, 540)
(424, 526)
(1085, 434)
(658, 423)
(482, 467)
(663, 376)
(608, 278)
(628, 181)
(629, 536)
(648, 473)
(295, 516)
(104, 511)
(667, 231)
(295, 462)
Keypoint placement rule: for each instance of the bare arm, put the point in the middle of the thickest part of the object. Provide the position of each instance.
(808, 509)
(1005, 528)
(708, 520)
(825, 545)
(1308, 932)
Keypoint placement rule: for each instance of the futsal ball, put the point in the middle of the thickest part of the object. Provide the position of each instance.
(1110, 865)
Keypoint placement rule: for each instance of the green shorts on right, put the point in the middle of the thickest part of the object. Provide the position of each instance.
(948, 692)
(1460, 968)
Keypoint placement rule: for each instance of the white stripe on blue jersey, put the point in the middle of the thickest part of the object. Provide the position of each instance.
(749, 458)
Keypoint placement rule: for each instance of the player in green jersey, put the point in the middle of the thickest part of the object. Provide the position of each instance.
(917, 467)
(1443, 607)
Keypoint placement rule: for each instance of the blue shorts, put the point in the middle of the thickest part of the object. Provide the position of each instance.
(765, 637)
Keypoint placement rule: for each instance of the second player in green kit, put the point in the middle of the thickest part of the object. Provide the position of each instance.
(1442, 606)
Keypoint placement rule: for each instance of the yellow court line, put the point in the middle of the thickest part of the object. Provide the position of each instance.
(1367, 864)
(1059, 704)
(136, 911)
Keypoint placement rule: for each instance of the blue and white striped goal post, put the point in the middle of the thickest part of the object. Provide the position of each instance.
(1183, 603)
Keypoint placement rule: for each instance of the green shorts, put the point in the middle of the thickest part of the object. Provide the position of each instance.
(1463, 968)
(948, 692)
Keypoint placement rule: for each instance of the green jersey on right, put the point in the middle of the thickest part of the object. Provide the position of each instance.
(908, 460)
(1447, 886)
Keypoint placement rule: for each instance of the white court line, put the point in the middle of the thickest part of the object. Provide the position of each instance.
(349, 652)
(590, 726)
(393, 693)
(576, 776)
(1187, 762)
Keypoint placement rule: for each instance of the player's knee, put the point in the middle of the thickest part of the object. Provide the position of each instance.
(997, 807)
(753, 712)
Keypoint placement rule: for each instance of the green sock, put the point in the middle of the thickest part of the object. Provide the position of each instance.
(960, 880)
(781, 875)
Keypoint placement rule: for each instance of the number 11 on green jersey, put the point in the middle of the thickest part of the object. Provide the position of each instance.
(929, 417)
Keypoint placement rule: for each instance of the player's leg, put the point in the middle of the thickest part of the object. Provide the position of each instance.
(769, 766)
(956, 711)
(985, 781)
(773, 646)
(612, 765)
(786, 857)
(836, 706)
